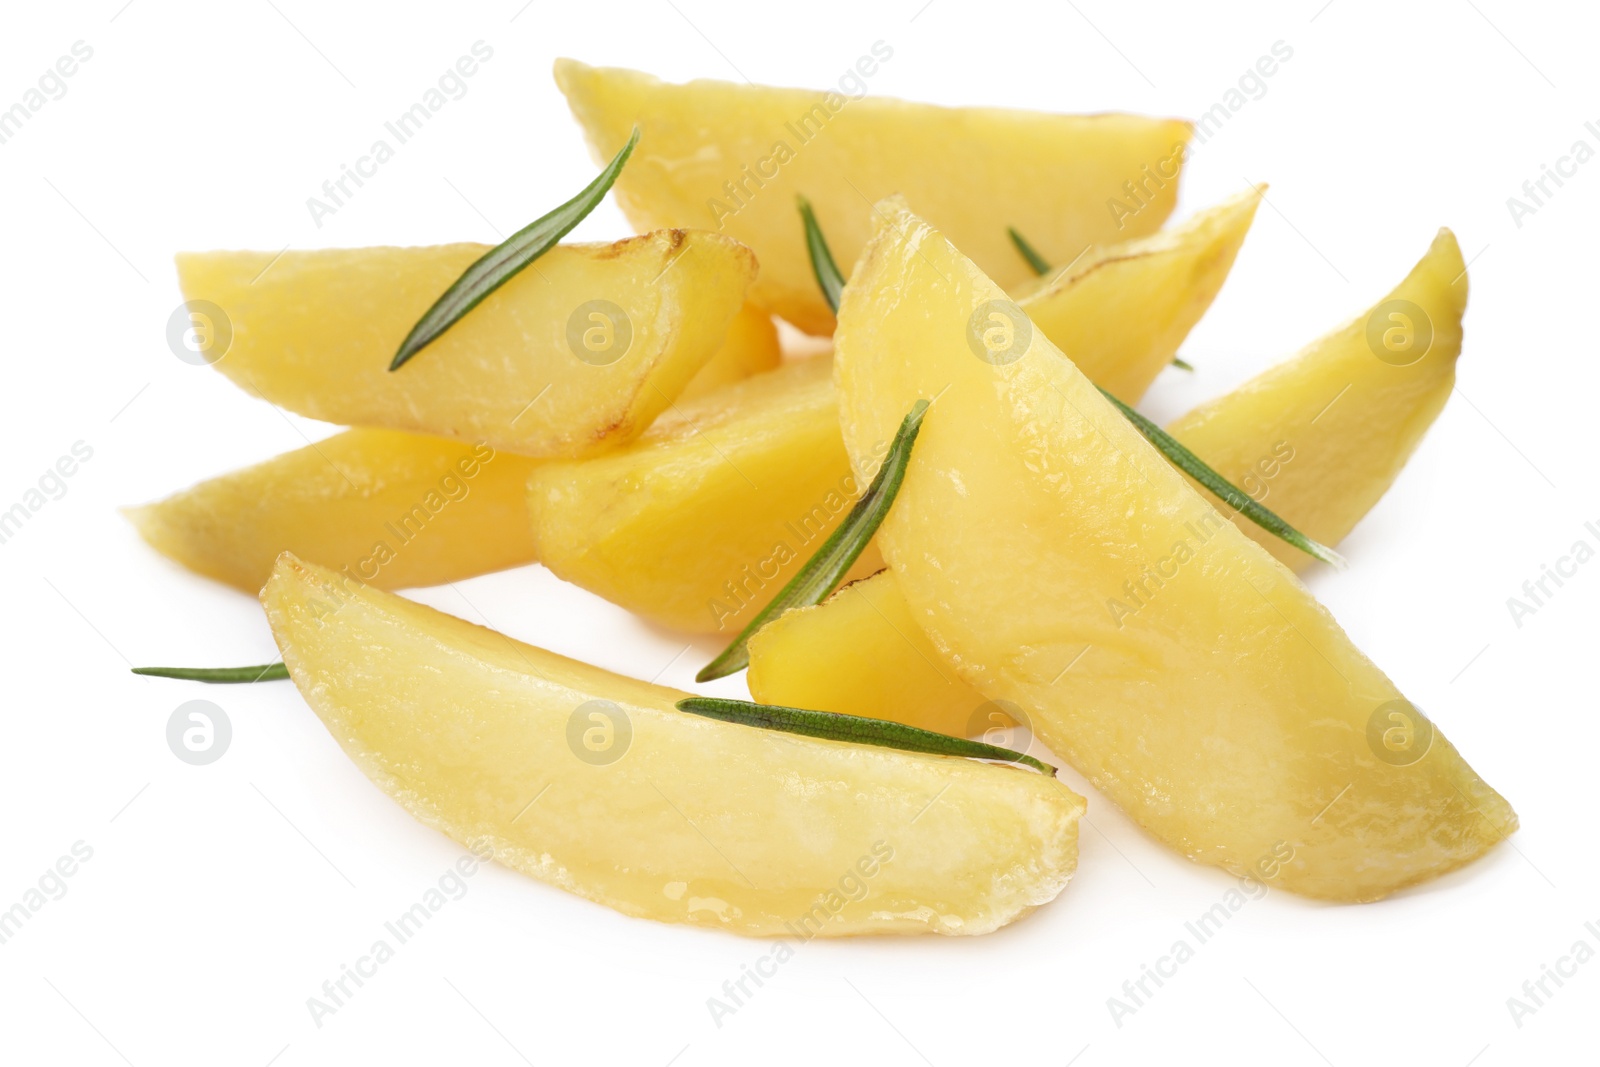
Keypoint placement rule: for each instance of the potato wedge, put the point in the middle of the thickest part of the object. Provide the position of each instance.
(734, 157)
(1053, 556)
(700, 522)
(1131, 337)
(574, 355)
(651, 811)
(389, 508)
(860, 652)
(1321, 437)
(1288, 437)
(750, 347)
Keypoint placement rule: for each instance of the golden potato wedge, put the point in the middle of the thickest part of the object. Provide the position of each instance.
(1132, 336)
(574, 355)
(596, 784)
(389, 508)
(700, 522)
(1321, 437)
(860, 652)
(1059, 562)
(734, 157)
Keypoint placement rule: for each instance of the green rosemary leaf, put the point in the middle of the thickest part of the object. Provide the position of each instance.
(1182, 364)
(854, 728)
(1230, 494)
(822, 264)
(266, 672)
(502, 263)
(1029, 253)
(823, 572)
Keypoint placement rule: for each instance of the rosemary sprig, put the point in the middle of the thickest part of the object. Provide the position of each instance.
(266, 672)
(1165, 443)
(502, 263)
(823, 572)
(1230, 494)
(822, 265)
(1029, 253)
(834, 726)
(1042, 267)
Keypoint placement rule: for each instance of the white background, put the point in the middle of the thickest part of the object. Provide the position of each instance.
(219, 898)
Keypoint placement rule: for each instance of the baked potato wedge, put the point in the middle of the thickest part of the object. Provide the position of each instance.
(700, 522)
(574, 355)
(1320, 437)
(389, 508)
(733, 157)
(596, 784)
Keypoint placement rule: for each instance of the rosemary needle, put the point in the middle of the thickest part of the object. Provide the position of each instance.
(504, 261)
(835, 726)
(1035, 260)
(266, 672)
(823, 572)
